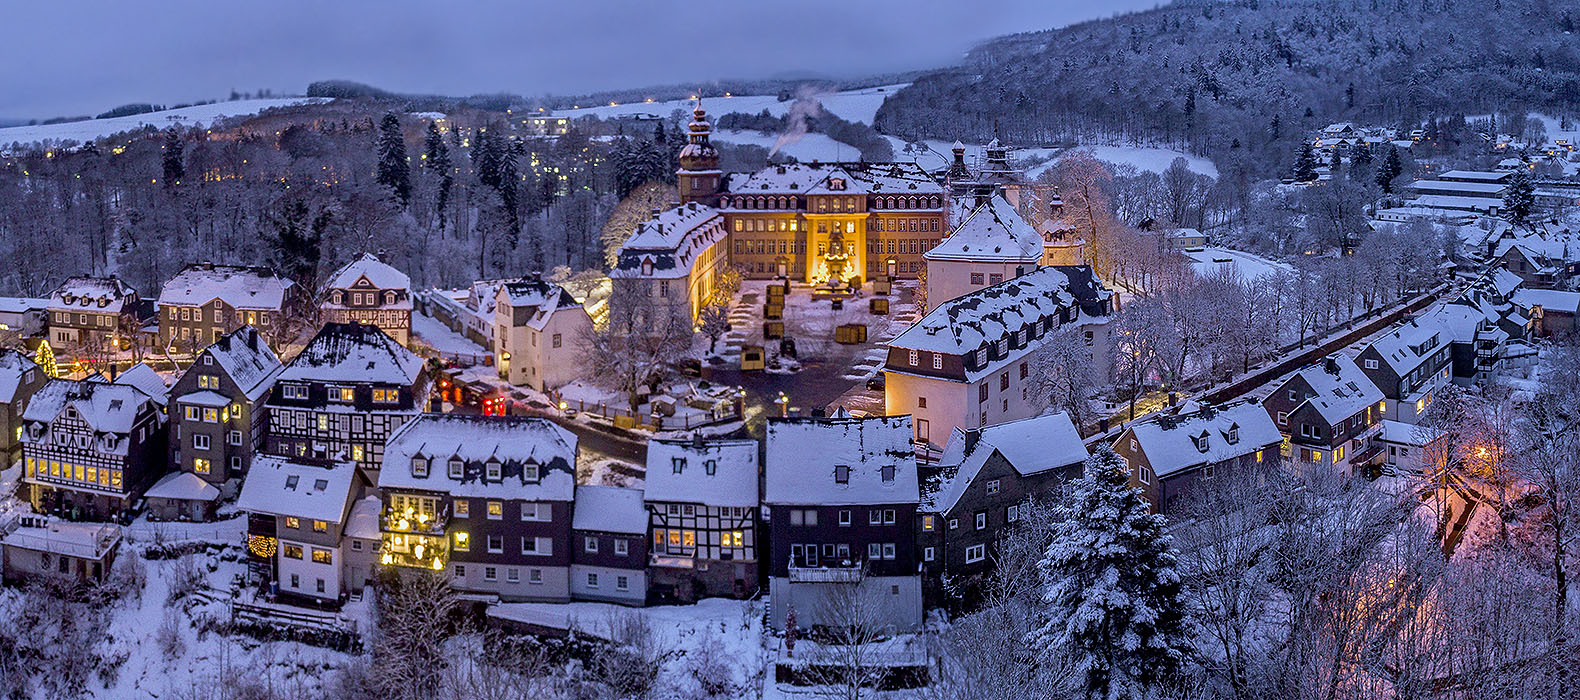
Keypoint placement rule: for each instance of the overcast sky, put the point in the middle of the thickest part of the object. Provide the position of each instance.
(72, 57)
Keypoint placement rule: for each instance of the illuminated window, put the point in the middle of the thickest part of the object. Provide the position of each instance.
(463, 509)
(496, 510)
(320, 526)
(292, 522)
(462, 542)
(323, 556)
(201, 465)
(346, 394)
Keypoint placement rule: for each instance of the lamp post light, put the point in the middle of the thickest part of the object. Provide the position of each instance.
(784, 405)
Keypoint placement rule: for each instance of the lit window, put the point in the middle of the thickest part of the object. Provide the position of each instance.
(292, 522)
(463, 543)
(201, 466)
(496, 510)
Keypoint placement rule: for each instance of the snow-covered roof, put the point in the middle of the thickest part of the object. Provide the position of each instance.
(353, 352)
(379, 274)
(966, 323)
(1169, 442)
(1341, 388)
(245, 356)
(1505, 282)
(99, 294)
(540, 295)
(731, 482)
(513, 441)
(206, 397)
(610, 509)
(814, 178)
(183, 486)
(286, 486)
(1408, 433)
(239, 287)
(1474, 176)
(363, 522)
(1397, 347)
(670, 242)
(994, 232)
(17, 305)
(1549, 299)
(14, 367)
(106, 407)
(87, 540)
(805, 456)
(1447, 201)
(1031, 446)
(146, 380)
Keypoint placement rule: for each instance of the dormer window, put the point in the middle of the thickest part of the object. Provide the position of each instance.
(419, 467)
(710, 466)
(530, 472)
(982, 357)
(888, 474)
(457, 467)
(842, 474)
(1234, 433)
(913, 358)
(389, 297)
(338, 297)
(1201, 442)
(678, 464)
(492, 470)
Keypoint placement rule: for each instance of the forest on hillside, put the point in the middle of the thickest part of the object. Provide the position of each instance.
(1241, 81)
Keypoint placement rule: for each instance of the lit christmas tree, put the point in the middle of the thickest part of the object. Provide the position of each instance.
(44, 357)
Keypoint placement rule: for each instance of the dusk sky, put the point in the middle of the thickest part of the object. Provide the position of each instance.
(73, 57)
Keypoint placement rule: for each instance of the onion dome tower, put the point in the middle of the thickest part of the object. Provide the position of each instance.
(699, 177)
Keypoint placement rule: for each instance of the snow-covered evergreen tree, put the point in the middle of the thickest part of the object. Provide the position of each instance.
(1305, 164)
(1111, 592)
(1390, 169)
(173, 161)
(393, 170)
(1520, 198)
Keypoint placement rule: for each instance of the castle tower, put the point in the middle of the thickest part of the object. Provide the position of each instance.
(699, 176)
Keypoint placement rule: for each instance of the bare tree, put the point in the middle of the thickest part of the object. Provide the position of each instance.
(632, 348)
(1063, 375)
(853, 618)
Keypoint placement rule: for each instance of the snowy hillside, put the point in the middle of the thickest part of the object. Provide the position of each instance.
(809, 147)
(936, 156)
(196, 116)
(859, 105)
(1208, 261)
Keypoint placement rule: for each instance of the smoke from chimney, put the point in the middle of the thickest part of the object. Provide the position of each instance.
(806, 105)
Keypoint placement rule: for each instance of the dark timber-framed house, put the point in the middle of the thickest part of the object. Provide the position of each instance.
(703, 504)
(346, 393)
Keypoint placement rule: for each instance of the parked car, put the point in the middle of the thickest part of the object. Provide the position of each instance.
(875, 383)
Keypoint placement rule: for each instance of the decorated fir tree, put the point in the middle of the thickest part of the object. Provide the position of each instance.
(44, 357)
(1111, 595)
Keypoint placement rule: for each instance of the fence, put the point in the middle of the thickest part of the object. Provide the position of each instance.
(683, 421)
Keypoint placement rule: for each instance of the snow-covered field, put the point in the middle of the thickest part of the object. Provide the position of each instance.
(197, 116)
(1211, 260)
(859, 105)
(808, 147)
(937, 154)
(1150, 158)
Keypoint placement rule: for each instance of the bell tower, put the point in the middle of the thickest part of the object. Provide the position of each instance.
(699, 177)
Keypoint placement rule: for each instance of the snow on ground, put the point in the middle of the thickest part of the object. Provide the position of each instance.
(725, 629)
(442, 339)
(1141, 158)
(809, 147)
(610, 472)
(196, 116)
(1208, 261)
(860, 105)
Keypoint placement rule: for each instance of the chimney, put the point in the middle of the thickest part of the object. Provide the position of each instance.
(1020, 270)
(252, 339)
(1330, 364)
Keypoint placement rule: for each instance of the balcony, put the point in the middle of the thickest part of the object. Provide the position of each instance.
(843, 571)
(1367, 455)
(414, 522)
(415, 551)
(672, 561)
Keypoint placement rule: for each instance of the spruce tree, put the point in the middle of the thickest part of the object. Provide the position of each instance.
(1363, 155)
(437, 161)
(1305, 164)
(1335, 163)
(393, 170)
(1520, 198)
(1111, 599)
(1390, 169)
(173, 161)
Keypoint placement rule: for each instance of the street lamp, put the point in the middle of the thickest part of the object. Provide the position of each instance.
(784, 405)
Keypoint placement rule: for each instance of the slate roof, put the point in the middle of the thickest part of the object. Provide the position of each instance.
(514, 441)
(238, 286)
(245, 356)
(1341, 388)
(803, 453)
(353, 352)
(1168, 441)
(284, 486)
(732, 483)
(614, 509)
(994, 232)
(382, 275)
(1031, 446)
(13, 367)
